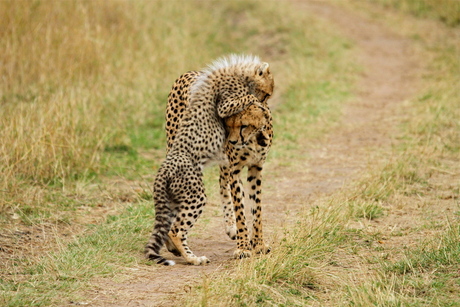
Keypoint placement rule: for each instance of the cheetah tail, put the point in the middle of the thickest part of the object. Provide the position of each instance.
(163, 221)
(163, 218)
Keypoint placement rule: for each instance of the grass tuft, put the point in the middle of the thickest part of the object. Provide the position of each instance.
(446, 11)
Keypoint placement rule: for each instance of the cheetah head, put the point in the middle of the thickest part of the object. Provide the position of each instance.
(264, 83)
(249, 123)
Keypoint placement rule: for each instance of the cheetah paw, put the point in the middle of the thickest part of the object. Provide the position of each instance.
(199, 260)
(262, 249)
(242, 253)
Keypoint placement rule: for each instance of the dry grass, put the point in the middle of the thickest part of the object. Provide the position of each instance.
(70, 74)
(83, 77)
(84, 83)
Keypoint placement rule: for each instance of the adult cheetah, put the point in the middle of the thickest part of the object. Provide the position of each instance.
(249, 139)
(225, 88)
(251, 152)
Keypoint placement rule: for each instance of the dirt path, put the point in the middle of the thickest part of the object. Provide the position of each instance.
(388, 79)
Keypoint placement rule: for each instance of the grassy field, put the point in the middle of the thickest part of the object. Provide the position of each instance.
(82, 100)
(84, 87)
(446, 11)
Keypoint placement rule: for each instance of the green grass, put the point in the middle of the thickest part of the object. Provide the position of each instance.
(426, 276)
(366, 210)
(439, 254)
(102, 251)
(446, 11)
(287, 277)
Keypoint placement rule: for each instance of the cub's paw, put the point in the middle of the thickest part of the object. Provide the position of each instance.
(199, 260)
(242, 253)
(231, 231)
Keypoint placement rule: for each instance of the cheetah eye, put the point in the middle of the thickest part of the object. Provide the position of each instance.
(244, 126)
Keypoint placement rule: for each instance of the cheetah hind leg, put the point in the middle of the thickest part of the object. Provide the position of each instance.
(172, 248)
(179, 231)
(180, 242)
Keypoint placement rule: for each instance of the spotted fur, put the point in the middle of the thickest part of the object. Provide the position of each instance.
(250, 135)
(196, 136)
(251, 152)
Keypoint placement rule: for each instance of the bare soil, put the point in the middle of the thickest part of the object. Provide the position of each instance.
(389, 78)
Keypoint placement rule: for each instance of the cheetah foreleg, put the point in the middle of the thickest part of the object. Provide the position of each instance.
(255, 183)
(227, 203)
(231, 105)
(244, 248)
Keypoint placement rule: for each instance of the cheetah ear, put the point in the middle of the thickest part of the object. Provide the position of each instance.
(263, 69)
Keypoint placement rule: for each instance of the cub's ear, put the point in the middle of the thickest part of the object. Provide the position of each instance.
(263, 69)
(265, 112)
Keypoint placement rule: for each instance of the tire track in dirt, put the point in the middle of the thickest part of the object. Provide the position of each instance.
(388, 79)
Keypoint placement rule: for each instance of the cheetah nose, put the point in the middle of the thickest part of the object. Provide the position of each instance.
(233, 142)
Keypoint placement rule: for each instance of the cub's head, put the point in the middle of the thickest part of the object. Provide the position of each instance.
(263, 82)
(249, 123)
